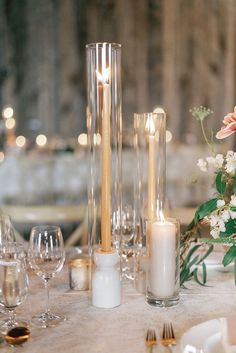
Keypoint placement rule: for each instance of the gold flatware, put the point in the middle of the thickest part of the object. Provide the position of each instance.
(168, 337)
(151, 339)
(17, 335)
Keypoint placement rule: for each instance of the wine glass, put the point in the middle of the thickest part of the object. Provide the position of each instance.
(14, 282)
(46, 257)
(7, 233)
(124, 237)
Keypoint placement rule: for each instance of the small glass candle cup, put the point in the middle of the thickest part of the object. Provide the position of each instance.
(79, 273)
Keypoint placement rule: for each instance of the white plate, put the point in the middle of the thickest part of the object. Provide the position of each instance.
(213, 344)
(205, 336)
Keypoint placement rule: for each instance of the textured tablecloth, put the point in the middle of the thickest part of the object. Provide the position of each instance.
(92, 330)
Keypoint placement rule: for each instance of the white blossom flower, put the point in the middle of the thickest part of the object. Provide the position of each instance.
(214, 220)
(230, 162)
(229, 154)
(202, 165)
(225, 215)
(215, 233)
(232, 214)
(221, 226)
(233, 200)
(220, 203)
(210, 160)
(219, 160)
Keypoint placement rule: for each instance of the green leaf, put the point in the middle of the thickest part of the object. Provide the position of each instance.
(195, 275)
(229, 256)
(184, 275)
(205, 209)
(211, 247)
(190, 226)
(204, 273)
(233, 208)
(193, 261)
(220, 183)
(191, 252)
(235, 270)
(230, 228)
(234, 185)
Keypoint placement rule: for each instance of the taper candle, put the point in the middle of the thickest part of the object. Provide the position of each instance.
(106, 167)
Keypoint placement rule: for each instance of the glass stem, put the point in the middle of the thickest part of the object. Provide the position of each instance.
(46, 284)
(12, 317)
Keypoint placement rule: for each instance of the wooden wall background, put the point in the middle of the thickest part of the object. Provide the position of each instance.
(176, 53)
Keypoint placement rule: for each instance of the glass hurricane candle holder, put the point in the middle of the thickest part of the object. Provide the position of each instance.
(149, 186)
(162, 287)
(104, 188)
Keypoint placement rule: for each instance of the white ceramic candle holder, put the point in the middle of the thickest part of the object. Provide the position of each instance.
(163, 263)
(106, 282)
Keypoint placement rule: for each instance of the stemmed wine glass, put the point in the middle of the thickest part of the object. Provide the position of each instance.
(14, 282)
(46, 257)
(124, 237)
(7, 233)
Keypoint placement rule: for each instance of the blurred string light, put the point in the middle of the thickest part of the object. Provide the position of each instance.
(2, 156)
(168, 136)
(41, 140)
(10, 123)
(83, 139)
(20, 141)
(7, 112)
(160, 110)
(97, 139)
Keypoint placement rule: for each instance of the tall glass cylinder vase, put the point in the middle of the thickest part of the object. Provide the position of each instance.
(104, 125)
(162, 278)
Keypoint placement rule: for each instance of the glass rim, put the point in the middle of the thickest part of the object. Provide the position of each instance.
(150, 113)
(45, 227)
(115, 46)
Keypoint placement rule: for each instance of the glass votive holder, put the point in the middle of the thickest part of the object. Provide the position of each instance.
(79, 273)
(162, 281)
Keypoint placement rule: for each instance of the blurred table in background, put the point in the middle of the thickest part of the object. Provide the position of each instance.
(51, 187)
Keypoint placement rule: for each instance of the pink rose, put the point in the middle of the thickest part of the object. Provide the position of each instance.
(230, 125)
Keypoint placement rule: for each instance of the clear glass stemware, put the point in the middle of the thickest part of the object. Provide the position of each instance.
(46, 256)
(7, 233)
(14, 282)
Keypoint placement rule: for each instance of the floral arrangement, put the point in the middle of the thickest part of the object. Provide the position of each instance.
(218, 213)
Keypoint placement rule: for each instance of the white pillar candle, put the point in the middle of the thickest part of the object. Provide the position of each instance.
(162, 259)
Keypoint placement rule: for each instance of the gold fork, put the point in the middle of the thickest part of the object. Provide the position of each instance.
(151, 339)
(168, 336)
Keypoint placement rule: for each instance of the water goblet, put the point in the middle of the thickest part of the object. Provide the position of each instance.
(46, 257)
(14, 282)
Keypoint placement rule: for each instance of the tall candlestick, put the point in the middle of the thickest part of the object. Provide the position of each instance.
(106, 172)
(151, 170)
(162, 259)
(104, 141)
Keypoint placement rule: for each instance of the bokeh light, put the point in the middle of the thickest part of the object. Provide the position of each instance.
(7, 112)
(41, 140)
(20, 141)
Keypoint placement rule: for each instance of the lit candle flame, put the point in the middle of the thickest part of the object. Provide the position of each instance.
(150, 126)
(104, 77)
